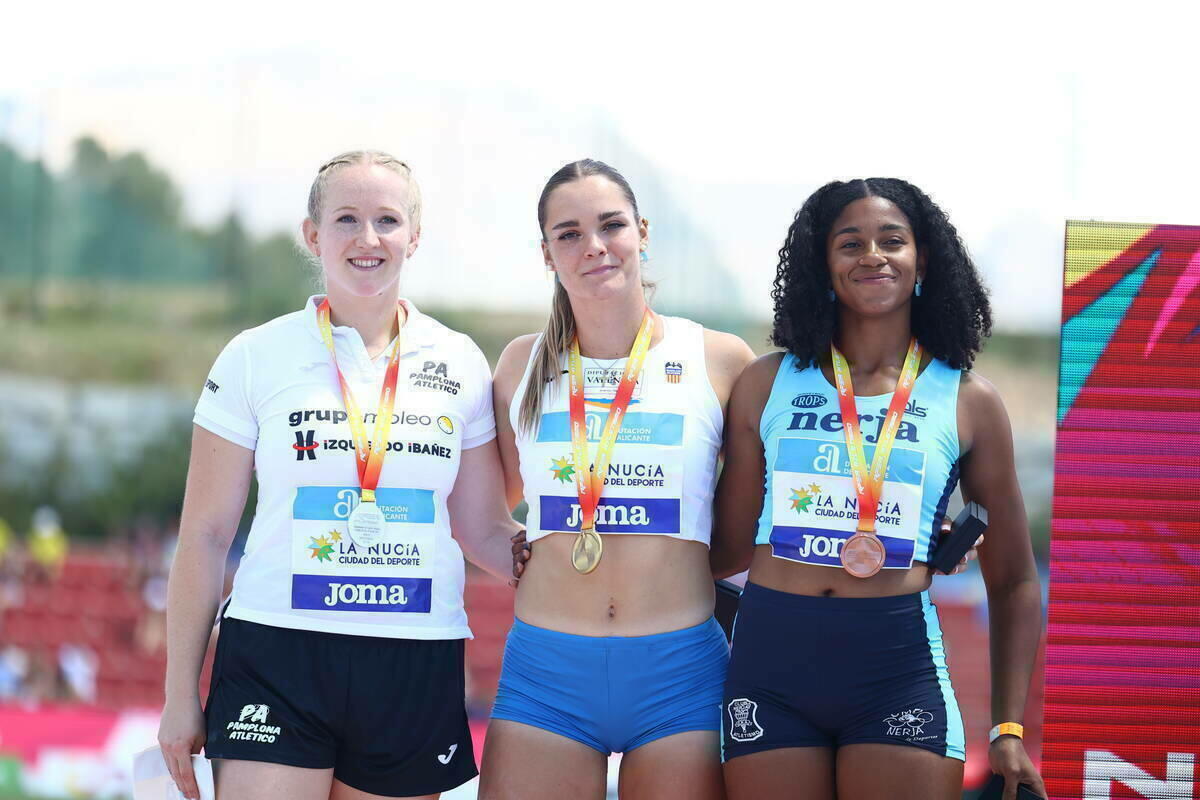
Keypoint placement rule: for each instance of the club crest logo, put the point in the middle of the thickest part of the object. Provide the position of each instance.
(743, 721)
(252, 725)
(908, 723)
(673, 371)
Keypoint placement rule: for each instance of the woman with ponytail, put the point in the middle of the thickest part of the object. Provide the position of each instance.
(610, 424)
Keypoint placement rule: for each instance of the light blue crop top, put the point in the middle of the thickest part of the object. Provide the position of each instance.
(810, 507)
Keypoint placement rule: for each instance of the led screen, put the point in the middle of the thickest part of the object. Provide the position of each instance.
(1122, 704)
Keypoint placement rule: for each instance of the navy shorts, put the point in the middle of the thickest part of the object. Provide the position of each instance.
(386, 714)
(613, 693)
(833, 671)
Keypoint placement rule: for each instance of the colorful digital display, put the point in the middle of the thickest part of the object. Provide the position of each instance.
(1122, 703)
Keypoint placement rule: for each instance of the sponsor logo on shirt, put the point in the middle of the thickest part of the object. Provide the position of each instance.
(614, 514)
(810, 400)
(367, 593)
(212, 387)
(305, 446)
(870, 423)
(625, 474)
(638, 427)
(336, 416)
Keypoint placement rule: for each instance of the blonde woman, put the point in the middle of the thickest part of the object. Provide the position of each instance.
(614, 647)
(339, 667)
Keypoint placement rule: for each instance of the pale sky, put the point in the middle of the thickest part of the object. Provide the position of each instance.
(1013, 117)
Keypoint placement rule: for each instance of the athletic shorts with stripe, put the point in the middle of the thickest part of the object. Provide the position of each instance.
(832, 671)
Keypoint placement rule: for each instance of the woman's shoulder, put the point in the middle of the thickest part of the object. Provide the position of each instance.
(274, 333)
(726, 353)
(974, 388)
(758, 377)
(979, 401)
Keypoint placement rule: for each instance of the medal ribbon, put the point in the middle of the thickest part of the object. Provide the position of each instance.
(589, 478)
(868, 484)
(368, 454)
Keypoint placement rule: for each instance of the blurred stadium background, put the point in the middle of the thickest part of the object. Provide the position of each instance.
(115, 303)
(149, 194)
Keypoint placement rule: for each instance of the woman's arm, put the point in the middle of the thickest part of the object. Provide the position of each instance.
(509, 371)
(740, 488)
(479, 519)
(989, 477)
(218, 480)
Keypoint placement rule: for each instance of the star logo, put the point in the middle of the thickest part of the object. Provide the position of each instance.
(320, 549)
(562, 468)
(801, 500)
(335, 536)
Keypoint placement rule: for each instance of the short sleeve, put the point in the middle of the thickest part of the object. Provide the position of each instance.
(224, 407)
(481, 419)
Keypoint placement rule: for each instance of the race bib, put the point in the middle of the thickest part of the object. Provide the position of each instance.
(644, 485)
(814, 508)
(332, 573)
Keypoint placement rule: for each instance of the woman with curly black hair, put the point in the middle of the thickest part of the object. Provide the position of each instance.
(853, 439)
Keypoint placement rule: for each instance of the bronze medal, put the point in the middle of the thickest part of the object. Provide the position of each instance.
(863, 555)
(585, 555)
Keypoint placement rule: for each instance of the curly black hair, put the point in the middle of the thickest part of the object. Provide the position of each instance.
(951, 317)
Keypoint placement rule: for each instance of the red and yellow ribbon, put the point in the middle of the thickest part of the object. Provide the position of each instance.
(589, 477)
(868, 484)
(369, 454)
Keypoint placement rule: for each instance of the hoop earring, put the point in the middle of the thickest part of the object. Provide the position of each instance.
(917, 289)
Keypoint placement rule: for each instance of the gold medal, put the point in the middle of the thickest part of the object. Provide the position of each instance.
(589, 480)
(585, 555)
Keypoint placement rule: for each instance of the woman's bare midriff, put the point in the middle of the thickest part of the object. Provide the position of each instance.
(643, 585)
(818, 581)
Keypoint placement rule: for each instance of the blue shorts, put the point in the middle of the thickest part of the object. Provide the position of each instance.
(832, 671)
(613, 693)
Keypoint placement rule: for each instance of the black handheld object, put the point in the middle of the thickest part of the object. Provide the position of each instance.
(968, 526)
(728, 597)
(994, 790)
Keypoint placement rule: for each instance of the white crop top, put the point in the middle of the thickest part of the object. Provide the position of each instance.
(274, 390)
(663, 470)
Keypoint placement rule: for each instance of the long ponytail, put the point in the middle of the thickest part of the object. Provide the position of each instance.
(547, 359)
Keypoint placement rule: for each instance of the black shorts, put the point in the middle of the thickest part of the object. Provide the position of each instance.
(387, 715)
(834, 671)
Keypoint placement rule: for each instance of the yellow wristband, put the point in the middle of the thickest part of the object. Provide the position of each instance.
(1006, 729)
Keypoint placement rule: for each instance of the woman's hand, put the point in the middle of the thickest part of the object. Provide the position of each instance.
(1007, 757)
(180, 734)
(961, 566)
(520, 554)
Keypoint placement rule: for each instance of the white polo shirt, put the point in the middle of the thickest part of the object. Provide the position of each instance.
(274, 390)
